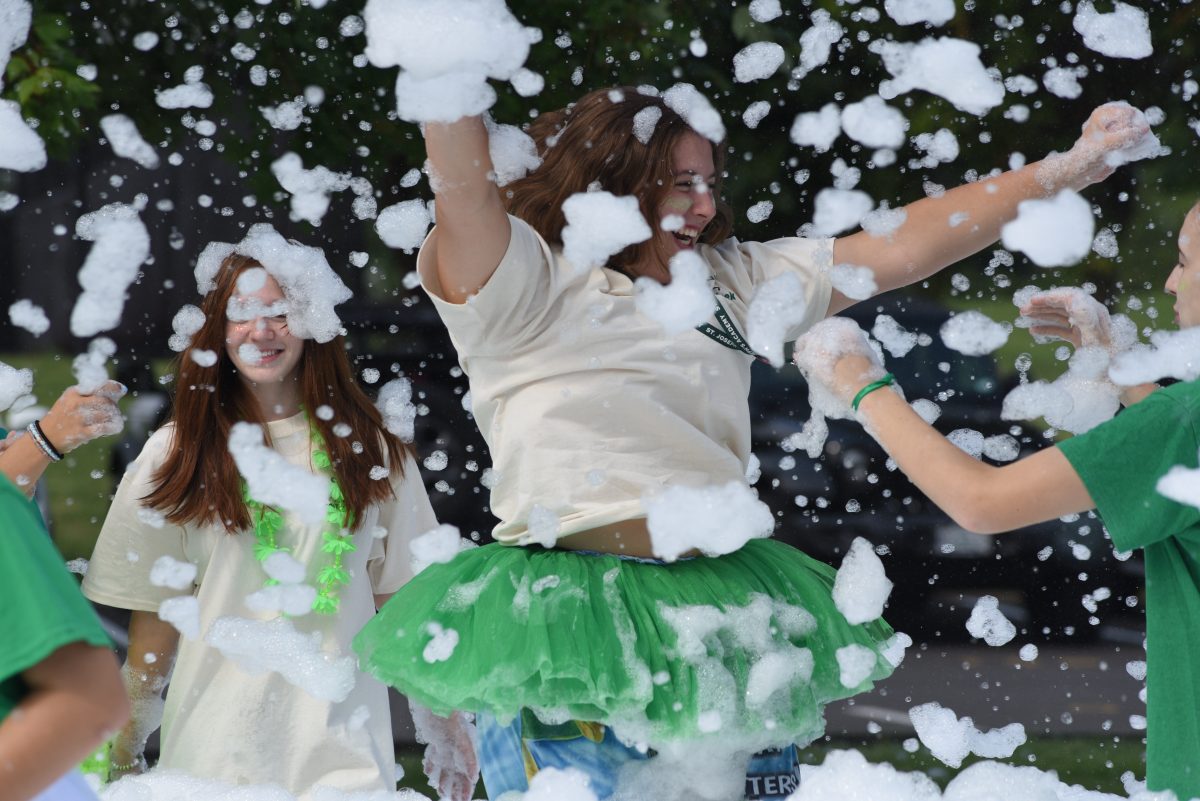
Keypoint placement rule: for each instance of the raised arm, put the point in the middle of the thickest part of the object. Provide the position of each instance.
(153, 644)
(979, 497)
(926, 241)
(472, 227)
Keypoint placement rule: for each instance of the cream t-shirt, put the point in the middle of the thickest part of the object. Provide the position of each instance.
(586, 404)
(221, 722)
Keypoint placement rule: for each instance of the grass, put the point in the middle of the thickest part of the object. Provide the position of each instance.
(1094, 763)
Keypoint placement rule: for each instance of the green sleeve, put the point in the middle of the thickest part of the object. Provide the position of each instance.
(1121, 461)
(41, 608)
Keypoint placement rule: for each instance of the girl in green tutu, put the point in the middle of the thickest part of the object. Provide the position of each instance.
(582, 637)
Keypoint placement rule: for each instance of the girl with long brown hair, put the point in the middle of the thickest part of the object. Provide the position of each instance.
(267, 597)
(587, 644)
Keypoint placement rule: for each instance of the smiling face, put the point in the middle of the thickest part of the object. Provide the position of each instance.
(258, 341)
(1184, 281)
(686, 208)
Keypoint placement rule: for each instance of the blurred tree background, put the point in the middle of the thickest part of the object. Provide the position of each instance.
(85, 59)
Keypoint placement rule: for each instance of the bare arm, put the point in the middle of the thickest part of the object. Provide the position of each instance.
(926, 242)
(472, 227)
(978, 496)
(153, 644)
(75, 701)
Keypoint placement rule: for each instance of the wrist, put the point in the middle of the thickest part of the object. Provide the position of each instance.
(886, 380)
(48, 449)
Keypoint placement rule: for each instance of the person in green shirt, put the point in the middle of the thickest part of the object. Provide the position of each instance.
(61, 693)
(1114, 468)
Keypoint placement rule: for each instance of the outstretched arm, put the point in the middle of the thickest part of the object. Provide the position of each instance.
(977, 496)
(472, 227)
(926, 241)
(836, 356)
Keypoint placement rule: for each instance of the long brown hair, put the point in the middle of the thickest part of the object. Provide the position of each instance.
(592, 141)
(199, 483)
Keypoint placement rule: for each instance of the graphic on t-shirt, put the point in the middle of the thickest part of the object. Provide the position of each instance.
(728, 334)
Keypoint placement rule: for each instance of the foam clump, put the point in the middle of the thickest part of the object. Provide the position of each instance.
(861, 587)
(688, 102)
(192, 93)
(446, 51)
(973, 333)
(403, 225)
(1170, 354)
(310, 189)
(126, 142)
(310, 285)
(121, 245)
(915, 12)
(817, 129)
(14, 384)
(682, 304)
(949, 68)
(600, 225)
(892, 336)
(777, 306)
(951, 739)
(258, 646)
(397, 409)
(186, 323)
(757, 61)
(513, 152)
(21, 149)
(274, 481)
(28, 315)
(715, 520)
(1055, 232)
(874, 123)
(437, 546)
(172, 573)
(989, 624)
(848, 775)
(838, 210)
(1121, 33)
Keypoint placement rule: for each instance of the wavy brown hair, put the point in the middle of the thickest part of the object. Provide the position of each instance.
(592, 142)
(199, 483)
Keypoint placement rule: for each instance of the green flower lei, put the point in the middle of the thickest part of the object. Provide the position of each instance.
(337, 538)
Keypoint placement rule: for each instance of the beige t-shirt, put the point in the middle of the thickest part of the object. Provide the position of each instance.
(221, 722)
(586, 404)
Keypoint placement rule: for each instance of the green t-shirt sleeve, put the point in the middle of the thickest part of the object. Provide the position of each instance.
(41, 608)
(1121, 461)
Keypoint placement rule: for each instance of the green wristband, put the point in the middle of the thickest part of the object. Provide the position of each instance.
(887, 380)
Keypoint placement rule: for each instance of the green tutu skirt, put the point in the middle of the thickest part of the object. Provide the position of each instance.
(743, 645)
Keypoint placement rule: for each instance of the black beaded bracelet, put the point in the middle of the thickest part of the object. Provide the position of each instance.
(43, 442)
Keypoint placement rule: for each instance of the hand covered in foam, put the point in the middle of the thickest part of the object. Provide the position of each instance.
(1072, 315)
(77, 418)
(837, 360)
(1115, 134)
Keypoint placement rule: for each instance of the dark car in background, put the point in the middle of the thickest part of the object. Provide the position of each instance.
(1056, 579)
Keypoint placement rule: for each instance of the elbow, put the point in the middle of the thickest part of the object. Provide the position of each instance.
(977, 513)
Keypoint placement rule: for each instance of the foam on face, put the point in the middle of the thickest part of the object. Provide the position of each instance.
(310, 285)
